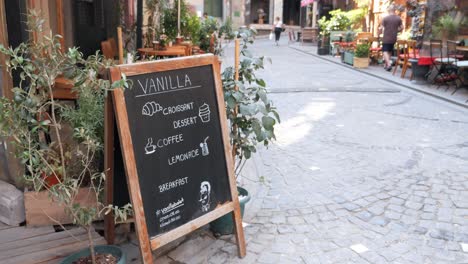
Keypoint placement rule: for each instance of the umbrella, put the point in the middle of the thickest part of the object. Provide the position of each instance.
(306, 2)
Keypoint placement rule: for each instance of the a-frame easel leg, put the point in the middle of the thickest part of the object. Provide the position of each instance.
(239, 230)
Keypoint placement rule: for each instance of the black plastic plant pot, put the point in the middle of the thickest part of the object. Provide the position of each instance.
(103, 249)
(224, 225)
(419, 71)
(323, 50)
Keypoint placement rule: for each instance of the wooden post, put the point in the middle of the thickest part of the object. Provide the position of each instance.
(120, 45)
(314, 14)
(7, 83)
(60, 25)
(236, 78)
(109, 222)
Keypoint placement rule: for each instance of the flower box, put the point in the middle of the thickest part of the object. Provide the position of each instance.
(360, 62)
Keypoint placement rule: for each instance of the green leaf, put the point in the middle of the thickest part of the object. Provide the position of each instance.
(276, 115)
(261, 82)
(248, 109)
(231, 102)
(268, 122)
(263, 96)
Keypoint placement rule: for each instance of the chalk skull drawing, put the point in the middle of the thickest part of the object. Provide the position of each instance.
(205, 191)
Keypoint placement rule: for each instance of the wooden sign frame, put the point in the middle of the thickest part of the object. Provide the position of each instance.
(148, 244)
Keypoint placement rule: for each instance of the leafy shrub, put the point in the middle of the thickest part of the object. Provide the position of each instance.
(362, 51)
(339, 21)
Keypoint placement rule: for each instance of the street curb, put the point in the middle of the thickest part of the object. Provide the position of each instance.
(385, 79)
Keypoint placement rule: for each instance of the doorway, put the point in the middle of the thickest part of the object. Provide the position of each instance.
(260, 11)
(291, 12)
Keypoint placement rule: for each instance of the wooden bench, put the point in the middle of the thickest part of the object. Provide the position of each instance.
(309, 33)
(41, 245)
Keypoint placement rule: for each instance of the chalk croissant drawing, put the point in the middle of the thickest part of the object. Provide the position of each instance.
(151, 108)
(205, 192)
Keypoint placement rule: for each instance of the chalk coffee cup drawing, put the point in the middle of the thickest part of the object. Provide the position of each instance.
(150, 148)
(204, 113)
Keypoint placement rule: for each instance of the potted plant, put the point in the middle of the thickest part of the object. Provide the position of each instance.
(446, 26)
(361, 56)
(347, 55)
(337, 22)
(163, 41)
(252, 117)
(36, 124)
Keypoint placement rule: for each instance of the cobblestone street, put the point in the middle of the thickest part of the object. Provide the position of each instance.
(362, 172)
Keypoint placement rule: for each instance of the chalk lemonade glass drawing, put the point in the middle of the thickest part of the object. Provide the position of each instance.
(175, 127)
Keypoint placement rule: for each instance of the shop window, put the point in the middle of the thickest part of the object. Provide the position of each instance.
(214, 8)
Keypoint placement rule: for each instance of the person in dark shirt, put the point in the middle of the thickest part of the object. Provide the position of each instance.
(391, 25)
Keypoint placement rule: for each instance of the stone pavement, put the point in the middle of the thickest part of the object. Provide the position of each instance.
(363, 171)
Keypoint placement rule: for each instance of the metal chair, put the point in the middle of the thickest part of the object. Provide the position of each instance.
(459, 66)
(442, 67)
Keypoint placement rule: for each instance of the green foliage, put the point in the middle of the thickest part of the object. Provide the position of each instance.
(169, 19)
(447, 26)
(208, 27)
(338, 21)
(191, 29)
(214, 37)
(251, 114)
(362, 50)
(35, 123)
(349, 36)
(356, 17)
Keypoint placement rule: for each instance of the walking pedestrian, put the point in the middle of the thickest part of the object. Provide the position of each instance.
(391, 25)
(277, 28)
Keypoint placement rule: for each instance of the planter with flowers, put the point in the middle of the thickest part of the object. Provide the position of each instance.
(361, 56)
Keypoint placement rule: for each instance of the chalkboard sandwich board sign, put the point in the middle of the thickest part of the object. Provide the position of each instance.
(174, 139)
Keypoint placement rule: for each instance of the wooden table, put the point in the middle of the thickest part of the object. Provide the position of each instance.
(174, 51)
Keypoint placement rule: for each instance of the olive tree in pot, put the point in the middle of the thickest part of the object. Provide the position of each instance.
(361, 56)
(252, 117)
(35, 123)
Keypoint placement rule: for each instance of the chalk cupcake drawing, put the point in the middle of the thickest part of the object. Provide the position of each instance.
(204, 147)
(150, 148)
(204, 113)
(151, 108)
(205, 191)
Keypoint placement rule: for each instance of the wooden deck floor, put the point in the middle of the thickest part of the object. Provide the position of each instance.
(41, 245)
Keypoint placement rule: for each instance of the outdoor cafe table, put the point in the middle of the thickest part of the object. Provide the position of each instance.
(175, 51)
